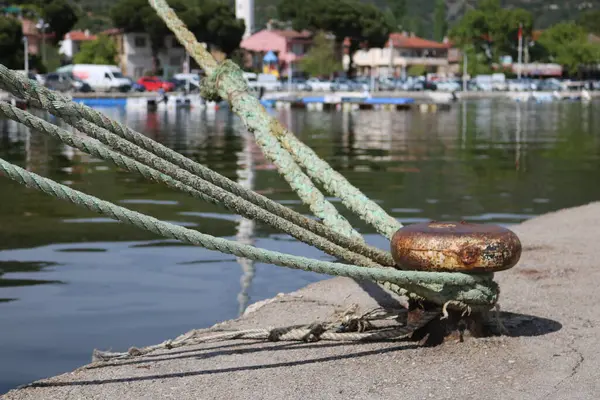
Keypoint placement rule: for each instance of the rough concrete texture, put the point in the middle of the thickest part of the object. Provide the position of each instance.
(551, 354)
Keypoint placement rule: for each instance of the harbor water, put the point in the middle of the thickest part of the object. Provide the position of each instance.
(72, 281)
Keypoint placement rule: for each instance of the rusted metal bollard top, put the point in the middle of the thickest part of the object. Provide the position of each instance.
(455, 247)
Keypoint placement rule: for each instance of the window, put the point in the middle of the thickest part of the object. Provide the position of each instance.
(175, 61)
(107, 76)
(298, 49)
(117, 75)
(139, 41)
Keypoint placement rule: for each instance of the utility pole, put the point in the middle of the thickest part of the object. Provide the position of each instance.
(43, 25)
(464, 80)
(26, 52)
(520, 56)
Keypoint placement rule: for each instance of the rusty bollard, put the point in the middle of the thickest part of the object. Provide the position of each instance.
(453, 247)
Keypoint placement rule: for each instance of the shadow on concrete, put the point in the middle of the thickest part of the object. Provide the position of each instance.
(523, 325)
(200, 353)
(235, 369)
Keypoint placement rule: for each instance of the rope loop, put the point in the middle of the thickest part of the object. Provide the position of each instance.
(211, 88)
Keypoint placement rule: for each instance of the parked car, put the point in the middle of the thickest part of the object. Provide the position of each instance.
(298, 84)
(80, 86)
(65, 83)
(342, 85)
(153, 83)
(319, 85)
(135, 87)
(108, 78)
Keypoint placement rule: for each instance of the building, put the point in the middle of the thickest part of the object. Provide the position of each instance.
(71, 44)
(289, 47)
(136, 58)
(244, 9)
(402, 51)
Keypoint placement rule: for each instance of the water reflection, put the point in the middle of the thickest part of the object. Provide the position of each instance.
(62, 267)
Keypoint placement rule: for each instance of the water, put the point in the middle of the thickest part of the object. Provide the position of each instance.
(71, 281)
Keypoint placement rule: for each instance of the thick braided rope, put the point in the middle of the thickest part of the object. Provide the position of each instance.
(62, 107)
(189, 184)
(436, 287)
(289, 333)
(226, 80)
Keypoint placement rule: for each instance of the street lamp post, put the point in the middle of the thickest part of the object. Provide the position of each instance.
(26, 51)
(43, 25)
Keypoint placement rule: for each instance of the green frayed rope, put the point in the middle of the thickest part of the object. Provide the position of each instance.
(437, 287)
(226, 81)
(169, 174)
(79, 115)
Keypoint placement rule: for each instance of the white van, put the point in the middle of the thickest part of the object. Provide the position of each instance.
(107, 78)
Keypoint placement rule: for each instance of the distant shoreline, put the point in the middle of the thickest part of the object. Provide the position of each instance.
(417, 95)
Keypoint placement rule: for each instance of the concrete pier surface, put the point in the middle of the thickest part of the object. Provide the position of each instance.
(549, 300)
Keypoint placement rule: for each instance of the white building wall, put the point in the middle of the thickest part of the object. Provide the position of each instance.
(66, 48)
(244, 9)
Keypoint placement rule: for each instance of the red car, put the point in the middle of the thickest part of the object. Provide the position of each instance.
(153, 83)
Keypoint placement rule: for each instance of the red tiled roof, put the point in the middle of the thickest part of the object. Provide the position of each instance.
(291, 34)
(401, 40)
(112, 31)
(79, 36)
(413, 42)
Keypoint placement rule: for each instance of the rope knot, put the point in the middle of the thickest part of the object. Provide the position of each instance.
(228, 77)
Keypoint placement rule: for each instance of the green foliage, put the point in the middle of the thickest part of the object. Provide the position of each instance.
(398, 11)
(477, 63)
(492, 30)
(590, 21)
(439, 20)
(567, 44)
(211, 21)
(94, 23)
(416, 70)
(363, 24)
(11, 45)
(320, 59)
(100, 51)
(60, 15)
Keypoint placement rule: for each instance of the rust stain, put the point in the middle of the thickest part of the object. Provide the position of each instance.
(455, 247)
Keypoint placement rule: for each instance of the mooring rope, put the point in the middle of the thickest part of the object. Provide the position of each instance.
(89, 121)
(60, 106)
(175, 178)
(437, 287)
(226, 81)
(348, 327)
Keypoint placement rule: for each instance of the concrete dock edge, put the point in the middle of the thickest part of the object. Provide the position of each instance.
(550, 298)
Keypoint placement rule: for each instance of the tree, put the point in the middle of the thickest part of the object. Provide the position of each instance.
(440, 26)
(214, 23)
(567, 44)
(58, 14)
(397, 9)
(492, 30)
(11, 45)
(211, 21)
(416, 70)
(590, 21)
(100, 51)
(362, 24)
(320, 59)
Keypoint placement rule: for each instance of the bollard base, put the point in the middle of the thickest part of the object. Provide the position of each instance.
(454, 327)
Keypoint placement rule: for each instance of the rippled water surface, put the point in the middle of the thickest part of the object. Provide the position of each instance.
(72, 281)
